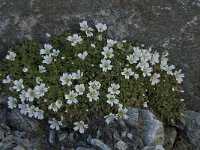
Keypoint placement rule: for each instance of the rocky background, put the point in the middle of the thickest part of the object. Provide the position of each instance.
(172, 25)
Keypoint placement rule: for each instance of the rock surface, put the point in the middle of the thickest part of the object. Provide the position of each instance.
(192, 128)
(170, 25)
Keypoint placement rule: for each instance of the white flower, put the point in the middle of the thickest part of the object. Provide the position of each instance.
(145, 55)
(58, 104)
(48, 35)
(18, 85)
(25, 69)
(77, 75)
(111, 43)
(122, 112)
(83, 55)
(11, 56)
(84, 27)
(127, 73)
(55, 52)
(55, 124)
(154, 79)
(101, 27)
(114, 89)
(164, 61)
(92, 45)
(41, 69)
(53, 107)
(47, 59)
(39, 113)
(23, 108)
(94, 85)
(80, 89)
(22, 96)
(80, 126)
(145, 105)
(146, 71)
(111, 99)
(154, 58)
(31, 95)
(71, 97)
(132, 59)
(38, 80)
(12, 102)
(136, 76)
(105, 65)
(142, 64)
(7, 80)
(110, 118)
(66, 79)
(74, 39)
(46, 50)
(31, 111)
(107, 53)
(169, 69)
(93, 95)
(179, 76)
(40, 90)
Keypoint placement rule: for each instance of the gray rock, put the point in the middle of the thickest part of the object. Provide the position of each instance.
(121, 145)
(99, 144)
(19, 147)
(22, 123)
(62, 136)
(153, 131)
(24, 142)
(6, 146)
(130, 136)
(84, 148)
(192, 128)
(116, 135)
(170, 136)
(3, 112)
(157, 147)
(132, 117)
(52, 136)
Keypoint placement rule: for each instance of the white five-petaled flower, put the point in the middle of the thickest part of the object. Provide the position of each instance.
(111, 43)
(93, 95)
(18, 85)
(22, 96)
(101, 27)
(74, 39)
(94, 85)
(132, 59)
(71, 97)
(41, 69)
(127, 73)
(83, 55)
(7, 80)
(46, 50)
(55, 124)
(110, 118)
(66, 79)
(53, 107)
(47, 59)
(12, 102)
(23, 108)
(114, 89)
(146, 71)
(179, 76)
(122, 112)
(31, 95)
(169, 69)
(154, 58)
(80, 126)
(31, 111)
(39, 114)
(55, 52)
(77, 75)
(80, 89)
(25, 69)
(58, 103)
(154, 79)
(11, 56)
(105, 65)
(40, 90)
(38, 80)
(112, 99)
(107, 52)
